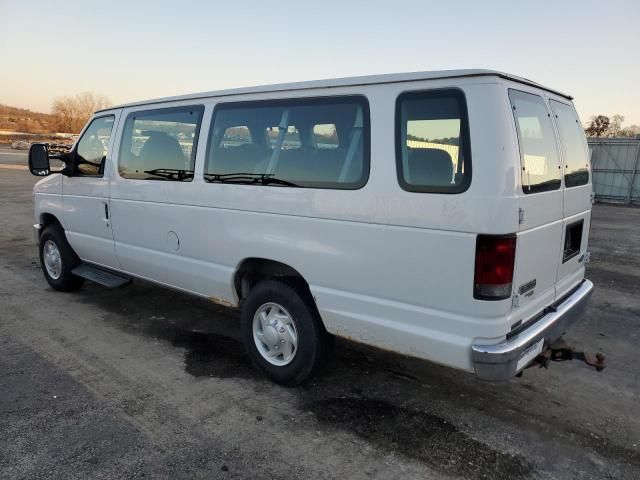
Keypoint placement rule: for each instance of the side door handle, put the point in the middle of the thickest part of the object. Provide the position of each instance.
(106, 213)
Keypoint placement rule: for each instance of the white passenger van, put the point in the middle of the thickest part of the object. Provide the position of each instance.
(442, 215)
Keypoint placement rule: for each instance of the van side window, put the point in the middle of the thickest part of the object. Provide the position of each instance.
(538, 150)
(160, 144)
(284, 148)
(92, 147)
(574, 146)
(432, 141)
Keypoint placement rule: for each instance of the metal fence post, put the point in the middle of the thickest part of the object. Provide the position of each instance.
(633, 176)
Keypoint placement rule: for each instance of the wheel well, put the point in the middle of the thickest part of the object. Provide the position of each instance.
(253, 270)
(47, 219)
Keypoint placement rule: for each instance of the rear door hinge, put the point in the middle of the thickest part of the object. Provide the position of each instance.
(520, 216)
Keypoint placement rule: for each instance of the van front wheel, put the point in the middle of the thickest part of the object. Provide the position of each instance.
(283, 333)
(58, 259)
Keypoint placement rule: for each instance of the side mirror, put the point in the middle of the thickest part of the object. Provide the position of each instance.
(39, 160)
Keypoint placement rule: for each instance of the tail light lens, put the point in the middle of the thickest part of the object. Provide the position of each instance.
(495, 257)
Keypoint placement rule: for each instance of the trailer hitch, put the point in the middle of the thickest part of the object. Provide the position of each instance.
(560, 351)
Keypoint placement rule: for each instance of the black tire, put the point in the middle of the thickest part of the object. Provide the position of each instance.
(313, 341)
(66, 281)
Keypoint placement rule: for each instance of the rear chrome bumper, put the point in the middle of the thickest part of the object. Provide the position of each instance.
(500, 361)
(37, 230)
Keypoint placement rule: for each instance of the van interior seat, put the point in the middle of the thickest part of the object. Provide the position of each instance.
(161, 151)
(429, 166)
(300, 164)
(247, 158)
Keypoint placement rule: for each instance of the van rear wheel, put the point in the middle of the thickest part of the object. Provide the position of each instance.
(283, 333)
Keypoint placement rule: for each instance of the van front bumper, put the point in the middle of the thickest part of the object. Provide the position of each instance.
(504, 360)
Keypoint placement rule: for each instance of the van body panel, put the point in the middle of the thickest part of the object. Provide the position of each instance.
(538, 251)
(318, 248)
(540, 224)
(571, 271)
(86, 204)
(543, 226)
(577, 198)
(386, 266)
(48, 199)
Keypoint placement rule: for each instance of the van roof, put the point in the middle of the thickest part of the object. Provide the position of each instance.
(344, 82)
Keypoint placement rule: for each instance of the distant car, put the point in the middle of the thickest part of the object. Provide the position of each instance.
(20, 145)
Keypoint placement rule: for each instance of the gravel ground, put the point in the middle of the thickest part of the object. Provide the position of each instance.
(147, 382)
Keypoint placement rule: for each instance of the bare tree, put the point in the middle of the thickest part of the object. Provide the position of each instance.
(615, 126)
(598, 126)
(631, 131)
(71, 113)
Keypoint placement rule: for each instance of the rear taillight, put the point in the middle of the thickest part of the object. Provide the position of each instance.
(495, 256)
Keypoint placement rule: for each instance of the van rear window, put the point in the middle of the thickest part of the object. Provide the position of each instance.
(432, 141)
(539, 161)
(307, 142)
(574, 145)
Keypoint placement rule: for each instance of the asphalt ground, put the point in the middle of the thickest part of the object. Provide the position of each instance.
(9, 156)
(146, 382)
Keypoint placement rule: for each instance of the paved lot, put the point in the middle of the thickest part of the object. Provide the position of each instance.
(143, 381)
(10, 156)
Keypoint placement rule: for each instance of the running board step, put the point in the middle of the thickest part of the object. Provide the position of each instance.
(101, 275)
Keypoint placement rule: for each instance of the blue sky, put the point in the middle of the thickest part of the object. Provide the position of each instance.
(131, 50)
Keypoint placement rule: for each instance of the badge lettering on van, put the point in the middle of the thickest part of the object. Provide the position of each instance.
(526, 287)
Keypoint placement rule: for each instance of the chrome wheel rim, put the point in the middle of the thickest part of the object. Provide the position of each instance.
(52, 259)
(275, 334)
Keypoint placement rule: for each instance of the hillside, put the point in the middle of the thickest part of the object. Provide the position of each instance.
(22, 120)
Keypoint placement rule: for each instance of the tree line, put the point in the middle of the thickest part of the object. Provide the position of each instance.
(68, 115)
(72, 113)
(603, 126)
(23, 120)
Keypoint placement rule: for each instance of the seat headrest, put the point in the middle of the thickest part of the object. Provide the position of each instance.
(162, 151)
(430, 166)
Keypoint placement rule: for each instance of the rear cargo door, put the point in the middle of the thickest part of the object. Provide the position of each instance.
(577, 196)
(541, 209)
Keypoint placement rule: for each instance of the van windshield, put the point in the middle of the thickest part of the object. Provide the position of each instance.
(539, 158)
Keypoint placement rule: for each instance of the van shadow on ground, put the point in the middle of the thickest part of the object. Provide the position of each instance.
(363, 391)
(338, 398)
